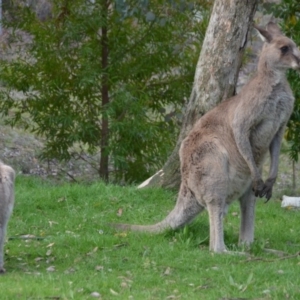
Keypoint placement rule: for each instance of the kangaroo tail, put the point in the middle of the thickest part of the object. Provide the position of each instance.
(185, 210)
(156, 228)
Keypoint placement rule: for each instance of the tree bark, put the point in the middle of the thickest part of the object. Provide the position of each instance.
(215, 77)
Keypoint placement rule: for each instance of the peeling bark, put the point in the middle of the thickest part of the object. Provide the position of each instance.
(215, 76)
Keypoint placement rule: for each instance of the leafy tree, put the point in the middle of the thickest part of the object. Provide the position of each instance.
(104, 75)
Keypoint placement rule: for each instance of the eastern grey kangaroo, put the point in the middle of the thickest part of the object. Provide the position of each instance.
(7, 178)
(222, 156)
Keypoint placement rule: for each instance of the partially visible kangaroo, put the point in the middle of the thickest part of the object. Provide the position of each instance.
(222, 156)
(7, 178)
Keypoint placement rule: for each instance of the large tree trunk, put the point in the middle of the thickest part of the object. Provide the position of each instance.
(216, 74)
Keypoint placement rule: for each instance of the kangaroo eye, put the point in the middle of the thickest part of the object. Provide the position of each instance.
(284, 49)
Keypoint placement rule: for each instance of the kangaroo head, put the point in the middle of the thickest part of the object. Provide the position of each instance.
(279, 52)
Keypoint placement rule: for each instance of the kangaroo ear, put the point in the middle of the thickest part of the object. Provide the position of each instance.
(264, 34)
(273, 28)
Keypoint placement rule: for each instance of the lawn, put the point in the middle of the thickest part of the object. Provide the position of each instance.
(60, 247)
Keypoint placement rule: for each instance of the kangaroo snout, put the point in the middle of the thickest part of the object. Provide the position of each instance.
(296, 65)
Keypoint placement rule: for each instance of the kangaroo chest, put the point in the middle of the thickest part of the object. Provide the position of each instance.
(275, 112)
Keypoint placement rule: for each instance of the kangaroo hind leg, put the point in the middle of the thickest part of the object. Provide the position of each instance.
(216, 209)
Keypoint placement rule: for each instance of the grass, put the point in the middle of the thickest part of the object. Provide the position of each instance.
(73, 254)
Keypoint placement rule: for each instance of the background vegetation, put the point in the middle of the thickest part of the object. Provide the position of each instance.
(103, 77)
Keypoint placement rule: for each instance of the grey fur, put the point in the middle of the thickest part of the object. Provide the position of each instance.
(222, 156)
(7, 178)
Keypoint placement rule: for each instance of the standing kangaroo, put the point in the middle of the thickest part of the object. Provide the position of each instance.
(222, 156)
(7, 178)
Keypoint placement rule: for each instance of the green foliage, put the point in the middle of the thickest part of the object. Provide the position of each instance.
(71, 252)
(152, 49)
(289, 13)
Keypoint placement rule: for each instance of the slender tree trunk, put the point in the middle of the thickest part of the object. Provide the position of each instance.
(0, 17)
(216, 74)
(103, 170)
(294, 177)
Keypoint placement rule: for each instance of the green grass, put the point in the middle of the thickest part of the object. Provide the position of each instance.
(75, 253)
